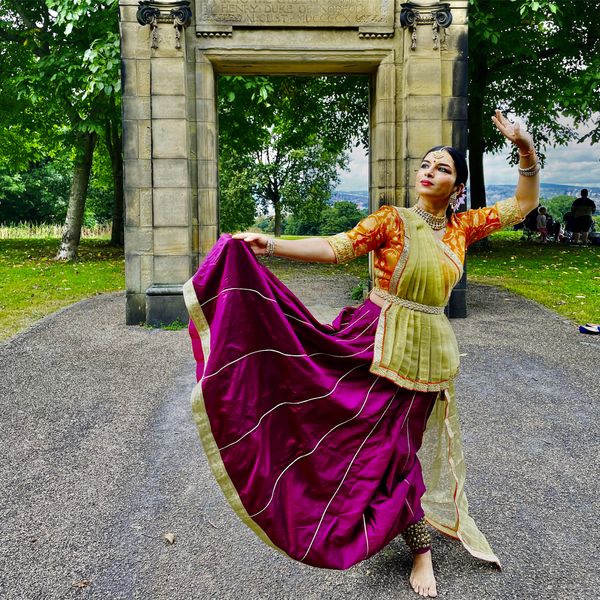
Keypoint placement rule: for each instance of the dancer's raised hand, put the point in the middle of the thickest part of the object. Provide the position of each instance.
(513, 132)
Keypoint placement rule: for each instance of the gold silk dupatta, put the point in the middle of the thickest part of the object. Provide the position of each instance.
(443, 464)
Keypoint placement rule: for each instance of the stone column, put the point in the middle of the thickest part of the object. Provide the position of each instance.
(386, 138)
(135, 76)
(434, 88)
(455, 78)
(207, 144)
(159, 147)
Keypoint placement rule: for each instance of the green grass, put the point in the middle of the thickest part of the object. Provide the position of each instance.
(33, 285)
(563, 278)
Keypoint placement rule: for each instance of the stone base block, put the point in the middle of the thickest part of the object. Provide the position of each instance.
(165, 305)
(135, 309)
(457, 306)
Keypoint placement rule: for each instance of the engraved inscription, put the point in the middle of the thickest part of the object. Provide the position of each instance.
(296, 13)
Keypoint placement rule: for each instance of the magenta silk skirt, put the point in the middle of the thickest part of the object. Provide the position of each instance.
(315, 454)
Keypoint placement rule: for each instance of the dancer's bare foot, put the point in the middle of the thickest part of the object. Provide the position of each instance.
(422, 579)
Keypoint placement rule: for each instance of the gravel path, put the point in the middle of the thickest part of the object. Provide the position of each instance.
(100, 459)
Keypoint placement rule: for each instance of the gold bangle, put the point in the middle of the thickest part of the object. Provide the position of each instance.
(270, 250)
(530, 171)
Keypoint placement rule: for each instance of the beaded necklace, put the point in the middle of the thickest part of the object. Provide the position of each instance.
(436, 223)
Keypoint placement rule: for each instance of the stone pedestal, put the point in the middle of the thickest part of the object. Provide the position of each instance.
(171, 56)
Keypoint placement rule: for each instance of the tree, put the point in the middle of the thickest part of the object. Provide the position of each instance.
(343, 215)
(68, 76)
(283, 139)
(302, 226)
(538, 60)
(237, 207)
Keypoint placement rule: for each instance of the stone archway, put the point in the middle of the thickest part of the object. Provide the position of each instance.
(172, 52)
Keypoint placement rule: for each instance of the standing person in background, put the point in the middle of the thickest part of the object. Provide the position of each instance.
(583, 208)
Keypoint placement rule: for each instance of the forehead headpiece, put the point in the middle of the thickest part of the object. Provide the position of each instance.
(439, 153)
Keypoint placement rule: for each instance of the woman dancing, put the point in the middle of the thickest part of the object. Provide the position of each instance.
(312, 430)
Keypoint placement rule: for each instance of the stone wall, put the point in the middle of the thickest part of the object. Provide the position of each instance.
(418, 100)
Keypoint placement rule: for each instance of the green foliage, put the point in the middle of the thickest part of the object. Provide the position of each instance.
(64, 59)
(237, 207)
(41, 231)
(298, 225)
(538, 60)
(343, 215)
(264, 223)
(359, 292)
(60, 71)
(535, 59)
(41, 195)
(340, 216)
(558, 206)
(176, 325)
(282, 140)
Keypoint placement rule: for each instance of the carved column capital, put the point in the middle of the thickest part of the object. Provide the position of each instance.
(152, 12)
(438, 15)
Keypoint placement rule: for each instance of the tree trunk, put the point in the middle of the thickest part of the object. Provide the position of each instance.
(275, 199)
(476, 142)
(277, 207)
(476, 150)
(82, 168)
(114, 145)
(477, 89)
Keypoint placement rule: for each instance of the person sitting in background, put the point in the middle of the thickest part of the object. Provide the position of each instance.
(561, 236)
(550, 226)
(568, 230)
(542, 223)
(556, 230)
(583, 208)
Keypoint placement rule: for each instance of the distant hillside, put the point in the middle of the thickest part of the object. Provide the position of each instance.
(493, 193)
(360, 198)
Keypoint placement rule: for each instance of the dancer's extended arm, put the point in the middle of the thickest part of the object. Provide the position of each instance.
(308, 249)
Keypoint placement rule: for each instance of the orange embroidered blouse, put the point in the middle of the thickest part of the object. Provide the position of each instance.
(414, 274)
(383, 232)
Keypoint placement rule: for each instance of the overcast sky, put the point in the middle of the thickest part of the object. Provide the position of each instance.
(575, 164)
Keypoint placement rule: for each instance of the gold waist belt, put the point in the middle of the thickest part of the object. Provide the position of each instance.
(425, 308)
